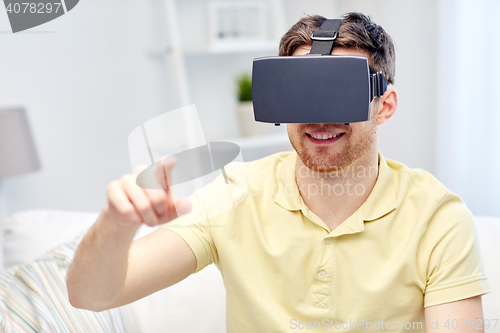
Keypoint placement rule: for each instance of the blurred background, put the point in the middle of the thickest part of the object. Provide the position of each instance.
(90, 77)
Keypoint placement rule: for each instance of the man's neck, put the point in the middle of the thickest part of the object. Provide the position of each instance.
(335, 196)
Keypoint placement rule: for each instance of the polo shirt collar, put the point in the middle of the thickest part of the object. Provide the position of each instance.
(381, 201)
(288, 195)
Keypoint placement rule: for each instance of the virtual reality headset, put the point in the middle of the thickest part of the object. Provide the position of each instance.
(317, 87)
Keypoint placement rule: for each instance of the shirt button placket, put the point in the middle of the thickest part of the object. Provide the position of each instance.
(324, 270)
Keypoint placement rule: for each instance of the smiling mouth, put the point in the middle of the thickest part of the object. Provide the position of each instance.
(324, 136)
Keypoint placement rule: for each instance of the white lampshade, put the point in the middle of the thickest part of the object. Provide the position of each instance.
(17, 149)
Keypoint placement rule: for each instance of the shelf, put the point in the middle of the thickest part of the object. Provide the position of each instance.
(236, 47)
(226, 48)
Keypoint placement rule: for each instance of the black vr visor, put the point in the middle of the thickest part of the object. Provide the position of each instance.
(315, 88)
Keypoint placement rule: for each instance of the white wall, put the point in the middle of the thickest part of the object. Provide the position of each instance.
(88, 82)
(468, 105)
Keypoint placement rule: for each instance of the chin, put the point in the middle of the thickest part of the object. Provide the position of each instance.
(322, 162)
(329, 164)
(349, 152)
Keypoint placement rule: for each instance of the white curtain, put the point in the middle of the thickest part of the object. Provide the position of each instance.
(468, 101)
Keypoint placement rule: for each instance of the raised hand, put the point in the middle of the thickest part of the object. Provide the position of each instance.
(130, 204)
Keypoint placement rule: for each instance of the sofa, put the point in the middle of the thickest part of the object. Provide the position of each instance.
(43, 241)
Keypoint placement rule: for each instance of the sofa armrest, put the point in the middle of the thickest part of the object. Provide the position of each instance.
(489, 234)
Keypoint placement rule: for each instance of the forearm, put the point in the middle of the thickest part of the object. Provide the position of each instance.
(99, 269)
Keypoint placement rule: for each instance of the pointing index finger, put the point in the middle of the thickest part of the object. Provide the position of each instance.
(170, 200)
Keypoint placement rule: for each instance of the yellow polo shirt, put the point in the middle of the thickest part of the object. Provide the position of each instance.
(412, 244)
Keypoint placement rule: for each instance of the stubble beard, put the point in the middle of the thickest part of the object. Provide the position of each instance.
(322, 162)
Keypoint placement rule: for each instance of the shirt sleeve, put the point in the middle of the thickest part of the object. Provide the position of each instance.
(455, 269)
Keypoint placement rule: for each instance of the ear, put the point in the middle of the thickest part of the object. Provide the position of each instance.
(387, 105)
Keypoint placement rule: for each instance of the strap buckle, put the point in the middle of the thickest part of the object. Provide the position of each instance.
(324, 38)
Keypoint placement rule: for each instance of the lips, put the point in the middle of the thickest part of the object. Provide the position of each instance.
(324, 136)
(324, 133)
(322, 139)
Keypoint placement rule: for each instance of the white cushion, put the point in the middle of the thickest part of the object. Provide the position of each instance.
(489, 236)
(29, 234)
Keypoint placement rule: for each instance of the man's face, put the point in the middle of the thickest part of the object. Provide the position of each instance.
(333, 147)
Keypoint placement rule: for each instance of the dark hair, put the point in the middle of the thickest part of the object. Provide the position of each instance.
(356, 31)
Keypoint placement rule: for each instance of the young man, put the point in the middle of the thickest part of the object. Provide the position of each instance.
(331, 236)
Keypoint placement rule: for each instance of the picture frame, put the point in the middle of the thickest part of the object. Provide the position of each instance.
(238, 22)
